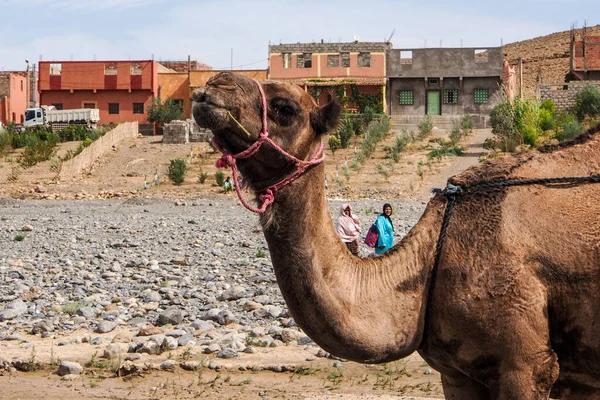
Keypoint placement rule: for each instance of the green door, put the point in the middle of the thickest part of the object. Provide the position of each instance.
(433, 102)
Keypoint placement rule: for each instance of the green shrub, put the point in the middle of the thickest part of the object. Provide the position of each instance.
(569, 131)
(546, 119)
(334, 143)
(587, 103)
(19, 238)
(220, 178)
(549, 106)
(530, 136)
(202, 176)
(425, 127)
(345, 132)
(368, 115)
(455, 134)
(466, 124)
(40, 151)
(177, 170)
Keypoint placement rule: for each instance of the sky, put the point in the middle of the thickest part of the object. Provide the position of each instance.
(236, 34)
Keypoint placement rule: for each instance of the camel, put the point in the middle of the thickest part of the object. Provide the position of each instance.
(507, 308)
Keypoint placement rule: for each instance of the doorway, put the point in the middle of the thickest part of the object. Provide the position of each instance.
(433, 102)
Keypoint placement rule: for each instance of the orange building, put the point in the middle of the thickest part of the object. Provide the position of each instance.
(13, 97)
(585, 56)
(121, 90)
(355, 71)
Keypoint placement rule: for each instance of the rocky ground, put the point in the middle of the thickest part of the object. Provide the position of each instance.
(128, 287)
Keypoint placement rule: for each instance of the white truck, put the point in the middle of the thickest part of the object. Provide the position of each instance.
(49, 116)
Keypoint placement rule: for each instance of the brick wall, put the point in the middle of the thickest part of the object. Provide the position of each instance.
(74, 167)
(563, 95)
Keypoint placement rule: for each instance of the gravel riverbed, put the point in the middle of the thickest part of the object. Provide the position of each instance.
(198, 267)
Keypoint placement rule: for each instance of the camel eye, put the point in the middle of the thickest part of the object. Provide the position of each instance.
(286, 111)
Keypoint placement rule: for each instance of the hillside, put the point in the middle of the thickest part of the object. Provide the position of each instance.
(544, 56)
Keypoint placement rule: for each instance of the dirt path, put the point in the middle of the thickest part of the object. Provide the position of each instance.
(474, 150)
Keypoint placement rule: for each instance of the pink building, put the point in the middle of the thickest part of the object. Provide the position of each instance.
(354, 71)
(13, 97)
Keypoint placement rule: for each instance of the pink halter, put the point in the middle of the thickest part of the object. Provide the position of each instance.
(267, 196)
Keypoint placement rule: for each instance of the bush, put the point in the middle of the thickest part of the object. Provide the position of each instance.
(176, 170)
(345, 131)
(466, 124)
(587, 103)
(546, 120)
(425, 127)
(220, 177)
(530, 136)
(549, 106)
(569, 131)
(202, 176)
(334, 143)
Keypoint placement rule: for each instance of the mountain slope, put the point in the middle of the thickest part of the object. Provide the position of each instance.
(546, 57)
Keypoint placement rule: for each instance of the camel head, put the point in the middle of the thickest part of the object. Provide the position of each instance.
(231, 106)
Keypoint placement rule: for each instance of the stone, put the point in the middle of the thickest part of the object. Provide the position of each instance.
(105, 326)
(69, 368)
(171, 315)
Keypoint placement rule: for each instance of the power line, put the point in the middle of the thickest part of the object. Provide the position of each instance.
(242, 65)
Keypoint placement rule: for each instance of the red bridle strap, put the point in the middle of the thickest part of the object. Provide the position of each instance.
(267, 196)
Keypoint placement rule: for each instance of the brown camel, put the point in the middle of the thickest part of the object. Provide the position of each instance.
(514, 312)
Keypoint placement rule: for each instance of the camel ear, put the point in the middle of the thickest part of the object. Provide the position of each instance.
(326, 118)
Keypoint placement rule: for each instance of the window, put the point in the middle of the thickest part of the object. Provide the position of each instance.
(433, 81)
(333, 60)
(110, 69)
(481, 96)
(304, 60)
(89, 105)
(364, 60)
(287, 60)
(450, 96)
(481, 55)
(29, 115)
(406, 57)
(58, 106)
(138, 108)
(21, 86)
(135, 69)
(113, 108)
(405, 97)
(345, 59)
(179, 103)
(55, 69)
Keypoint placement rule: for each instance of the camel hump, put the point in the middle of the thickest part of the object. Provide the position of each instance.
(548, 161)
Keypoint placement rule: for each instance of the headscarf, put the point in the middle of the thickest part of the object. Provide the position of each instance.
(346, 226)
(385, 215)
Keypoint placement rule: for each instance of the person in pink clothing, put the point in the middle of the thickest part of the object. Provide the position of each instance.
(348, 228)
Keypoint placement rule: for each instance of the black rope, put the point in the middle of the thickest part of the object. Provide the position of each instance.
(451, 192)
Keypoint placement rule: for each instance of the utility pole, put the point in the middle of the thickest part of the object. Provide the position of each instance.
(27, 85)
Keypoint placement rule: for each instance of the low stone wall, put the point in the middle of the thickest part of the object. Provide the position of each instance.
(84, 160)
(177, 132)
(563, 95)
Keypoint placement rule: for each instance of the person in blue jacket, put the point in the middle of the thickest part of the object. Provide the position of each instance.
(386, 230)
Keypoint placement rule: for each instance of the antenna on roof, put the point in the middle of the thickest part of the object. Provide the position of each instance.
(355, 38)
(392, 34)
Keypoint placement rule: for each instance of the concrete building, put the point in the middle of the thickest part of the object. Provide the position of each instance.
(444, 81)
(121, 90)
(354, 71)
(585, 56)
(13, 97)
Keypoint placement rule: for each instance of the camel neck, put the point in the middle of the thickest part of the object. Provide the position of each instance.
(366, 310)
